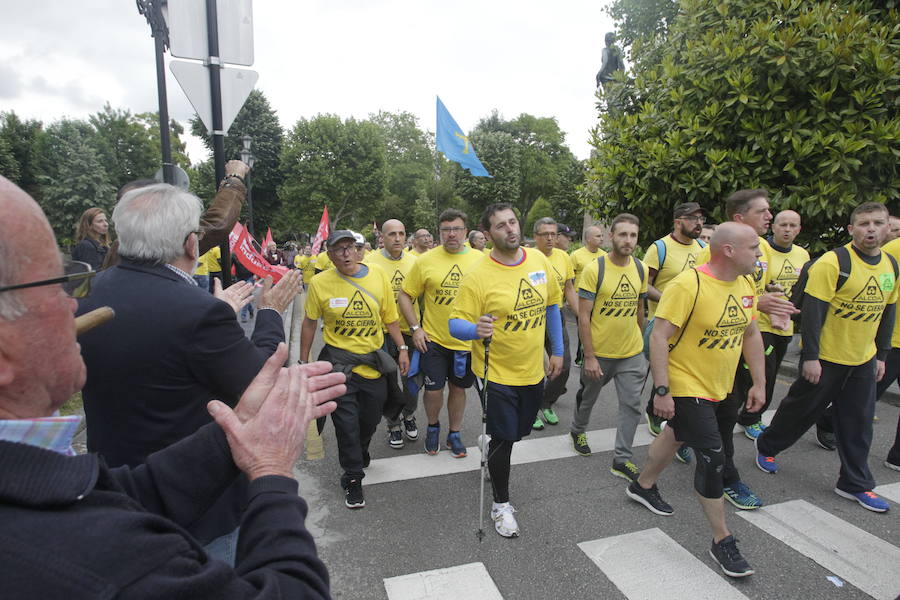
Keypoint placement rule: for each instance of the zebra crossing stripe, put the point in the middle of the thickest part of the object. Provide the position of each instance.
(855, 555)
(676, 574)
(891, 491)
(471, 582)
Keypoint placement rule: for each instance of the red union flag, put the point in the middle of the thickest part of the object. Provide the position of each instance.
(321, 233)
(269, 239)
(235, 235)
(254, 261)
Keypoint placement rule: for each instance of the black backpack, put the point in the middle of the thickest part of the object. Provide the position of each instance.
(798, 292)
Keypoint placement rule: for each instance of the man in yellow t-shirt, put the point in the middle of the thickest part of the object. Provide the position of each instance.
(892, 364)
(435, 278)
(214, 265)
(785, 261)
(355, 304)
(396, 262)
(846, 338)
(201, 273)
(322, 262)
(545, 235)
(705, 322)
(305, 262)
(666, 258)
(510, 297)
(591, 251)
(421, 242)
(611, 321)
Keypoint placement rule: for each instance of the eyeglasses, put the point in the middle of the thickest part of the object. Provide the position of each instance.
(76, 282)
(700, 218)
(342, 250)
(548, 234)
(452, 229)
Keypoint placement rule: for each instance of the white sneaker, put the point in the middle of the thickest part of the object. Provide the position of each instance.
(483, 441)
(504, 521)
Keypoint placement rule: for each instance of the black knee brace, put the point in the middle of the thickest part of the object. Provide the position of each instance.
(708, 476)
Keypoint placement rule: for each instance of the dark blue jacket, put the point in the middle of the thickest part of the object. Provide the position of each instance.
(73, 529)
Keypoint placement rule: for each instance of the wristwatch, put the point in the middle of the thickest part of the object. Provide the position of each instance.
(661, 390)
(404, 347)
(414, 328)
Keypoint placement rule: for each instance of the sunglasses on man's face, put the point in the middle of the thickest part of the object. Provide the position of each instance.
(76, 281)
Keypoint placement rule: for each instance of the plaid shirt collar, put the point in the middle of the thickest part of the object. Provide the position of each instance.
(186, 276)
(51, 433)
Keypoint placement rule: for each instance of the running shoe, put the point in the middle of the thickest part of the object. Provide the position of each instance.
(549, 416)
(728, 556)
(766, 464)
(353, 494)
(579, 441)
(395, 439)
(684, 455)
(504, 520)
(741, 496)
(825, 439)
(649, 498)
(455, 445)
(891, 465)
(410, 429)
(654, 424)
(626, 470)
(868, 500)
(433, 440)
(538, 424)
(752, 431)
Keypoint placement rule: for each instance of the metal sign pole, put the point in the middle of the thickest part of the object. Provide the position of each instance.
(152, 11)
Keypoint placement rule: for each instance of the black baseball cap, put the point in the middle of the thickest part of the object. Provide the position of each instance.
(340, 234)
(565, 230)
(686, 209)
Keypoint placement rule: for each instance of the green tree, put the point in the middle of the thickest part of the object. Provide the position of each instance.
(150, 121)
(540, 209)
(72, 176)
(21, 138)
(566, 199)
(124, 146)
(499, 154)
(258, 120)
(9, 166)
(642, 24)
(327, 161)
(408, 158)
(795, 96)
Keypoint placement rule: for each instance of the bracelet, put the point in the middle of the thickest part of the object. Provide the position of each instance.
(403, 347)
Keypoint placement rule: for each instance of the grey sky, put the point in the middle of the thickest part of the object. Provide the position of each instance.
(349, 57)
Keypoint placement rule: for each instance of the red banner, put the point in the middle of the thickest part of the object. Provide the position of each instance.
(235, 235)
(254, 261)
(321, 233)
(269, 239)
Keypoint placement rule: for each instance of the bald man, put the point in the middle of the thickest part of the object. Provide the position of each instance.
(421, 242)
(785, 261)
(397, 264)
(705, 323)
(591, 251)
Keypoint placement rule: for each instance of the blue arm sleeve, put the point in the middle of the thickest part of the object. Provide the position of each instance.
(554, 325)
(464, 330)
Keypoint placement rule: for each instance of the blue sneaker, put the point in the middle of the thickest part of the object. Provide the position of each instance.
(752, 431)
(766, 464)
(741, 496)
(433, 440)
(684, 455)
(455, 445)
(868, 500)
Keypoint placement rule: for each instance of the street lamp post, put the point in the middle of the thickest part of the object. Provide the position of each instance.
(154, 12)
(248, 159)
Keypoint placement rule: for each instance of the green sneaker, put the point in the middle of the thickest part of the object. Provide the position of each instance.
(626, 470)
(579, 442)
(550, 416)
(742, 496)
(538, 424)
(654, 424)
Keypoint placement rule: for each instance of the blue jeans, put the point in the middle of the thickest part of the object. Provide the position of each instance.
(224, 547)
(202, 281)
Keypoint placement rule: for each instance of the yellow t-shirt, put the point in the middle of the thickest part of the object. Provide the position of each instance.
(561, 267)
(518, 296)
(436, 276)
(679, 257)
(854, 312)
(703, 363)
(784, 269)
(301, 260)
(309, 268)
(214, 259)
(614, 325)
(893, 248)
(760, 276)
(396, 270)
(322, 262)
(202, 267)
(353, 319)
(583, 256)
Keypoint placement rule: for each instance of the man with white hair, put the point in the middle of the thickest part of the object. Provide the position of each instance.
(172, 347)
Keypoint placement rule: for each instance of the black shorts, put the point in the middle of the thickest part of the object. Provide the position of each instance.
(437, 366)
(511, 409)
(696, 422)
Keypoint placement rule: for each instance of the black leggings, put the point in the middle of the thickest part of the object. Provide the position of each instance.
(708, 474)
(499, 452)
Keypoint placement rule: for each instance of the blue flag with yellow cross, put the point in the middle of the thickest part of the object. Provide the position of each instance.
(455, 144)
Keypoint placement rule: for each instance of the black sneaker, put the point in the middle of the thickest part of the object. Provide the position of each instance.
(579, 442)
(728, 556)
(649, 498)
(395, 439)
(825, 439)
(353, 494)
(626, 470)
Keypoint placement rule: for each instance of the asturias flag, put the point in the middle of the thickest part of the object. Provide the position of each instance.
(455, 144)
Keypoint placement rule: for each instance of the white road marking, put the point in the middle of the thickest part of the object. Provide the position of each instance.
(469, 582)
(854, 555)
(891, 491)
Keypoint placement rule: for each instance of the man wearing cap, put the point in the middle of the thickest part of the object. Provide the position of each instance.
(356, 304)
(565, 237)
(666, 258)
